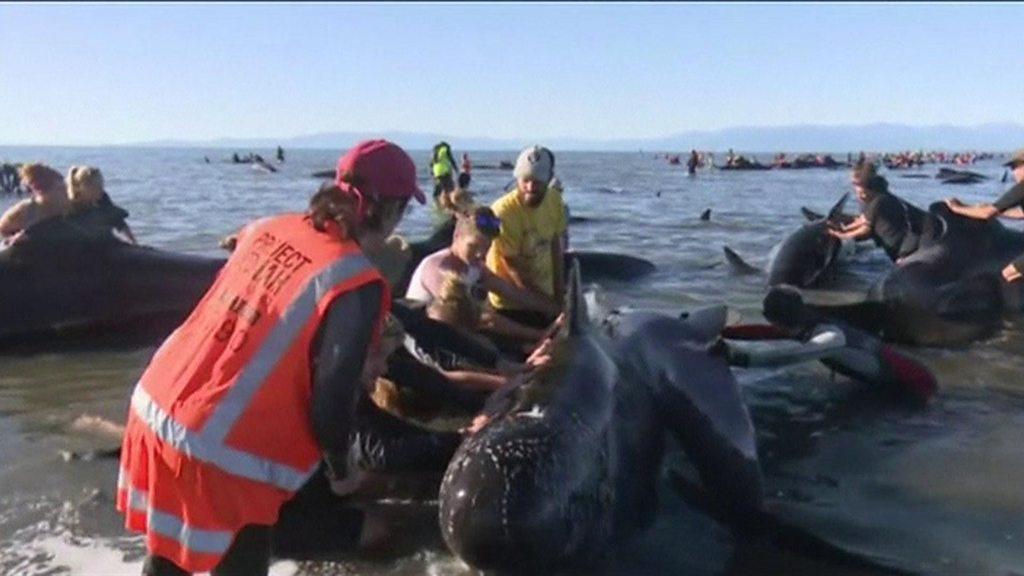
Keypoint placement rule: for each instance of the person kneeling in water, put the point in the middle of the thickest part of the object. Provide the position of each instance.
(91, 206)
(474, 233)
(49, 200)
(896, 226)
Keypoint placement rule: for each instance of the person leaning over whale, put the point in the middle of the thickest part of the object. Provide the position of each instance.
(530, 250)
(898, 227)
(1010, 204)
(242, 402)
(49, 199)
(91, 206)
(474, 233)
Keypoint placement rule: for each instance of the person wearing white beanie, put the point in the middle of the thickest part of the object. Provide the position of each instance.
(530, 250)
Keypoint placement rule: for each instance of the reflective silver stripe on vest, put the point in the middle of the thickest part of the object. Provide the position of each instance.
(208, 445)
(173, 527)
(277, 343)
(228, 459)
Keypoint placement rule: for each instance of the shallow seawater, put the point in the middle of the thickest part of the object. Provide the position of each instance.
(934, 490)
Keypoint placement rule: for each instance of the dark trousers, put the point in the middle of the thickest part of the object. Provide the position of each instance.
(249, 555)
(314, 521)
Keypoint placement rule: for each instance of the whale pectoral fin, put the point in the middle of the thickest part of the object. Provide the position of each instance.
(700, 405)
(708, 322)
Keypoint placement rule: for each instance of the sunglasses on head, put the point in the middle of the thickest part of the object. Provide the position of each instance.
(488, 223)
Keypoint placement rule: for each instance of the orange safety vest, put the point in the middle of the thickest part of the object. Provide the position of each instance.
(219, 433)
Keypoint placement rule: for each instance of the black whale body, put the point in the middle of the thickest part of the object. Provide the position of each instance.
(571, 464)
(61, 280)
(950, 292)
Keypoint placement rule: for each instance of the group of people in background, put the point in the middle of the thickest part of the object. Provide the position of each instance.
(907, 159)
(79, 200)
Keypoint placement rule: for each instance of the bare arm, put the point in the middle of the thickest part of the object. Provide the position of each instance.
(499, 324)
(858, 232)
(1017, 213)
(860, 220)
(521, 296)
(978, 212)
(13, 221)
(472, 380)
(513, 264)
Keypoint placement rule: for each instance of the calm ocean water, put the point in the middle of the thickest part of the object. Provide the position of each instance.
(936, 490)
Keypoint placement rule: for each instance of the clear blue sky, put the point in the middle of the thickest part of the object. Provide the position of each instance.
(86, 74)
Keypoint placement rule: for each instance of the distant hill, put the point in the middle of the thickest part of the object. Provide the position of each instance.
(799, 138)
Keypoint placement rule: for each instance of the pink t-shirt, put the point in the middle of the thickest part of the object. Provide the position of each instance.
(428, 277)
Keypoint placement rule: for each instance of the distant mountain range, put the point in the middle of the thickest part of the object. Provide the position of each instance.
(798, 138)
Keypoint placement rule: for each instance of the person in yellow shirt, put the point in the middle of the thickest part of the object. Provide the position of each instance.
(530, 250)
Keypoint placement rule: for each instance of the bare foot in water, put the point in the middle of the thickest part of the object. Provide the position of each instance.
(97, 425)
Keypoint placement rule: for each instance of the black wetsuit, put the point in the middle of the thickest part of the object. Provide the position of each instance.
(1011, 198)
(1014, 197)
(898, 227)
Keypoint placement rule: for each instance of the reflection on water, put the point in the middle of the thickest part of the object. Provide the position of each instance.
(934, 490)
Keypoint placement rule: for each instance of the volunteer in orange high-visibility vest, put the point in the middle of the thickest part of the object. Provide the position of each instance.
(240, 404)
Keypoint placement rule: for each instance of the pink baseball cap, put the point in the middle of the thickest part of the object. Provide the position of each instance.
(381, 169)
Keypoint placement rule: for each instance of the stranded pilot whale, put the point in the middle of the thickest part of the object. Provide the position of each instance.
(63, 280)
(569, 461)
(949, 292)
(806, 257)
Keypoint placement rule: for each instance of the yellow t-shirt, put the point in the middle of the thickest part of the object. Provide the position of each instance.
(528, 232)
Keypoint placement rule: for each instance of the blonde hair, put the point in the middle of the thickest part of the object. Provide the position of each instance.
(41, 175)
(455, 305)
(85, 185)
(458, 201)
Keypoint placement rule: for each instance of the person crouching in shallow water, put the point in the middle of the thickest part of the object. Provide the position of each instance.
(91, 206)
(48, 199)
(238, 407)
(474, 232)
(530, 251)
(1010, 205)
(898, 227)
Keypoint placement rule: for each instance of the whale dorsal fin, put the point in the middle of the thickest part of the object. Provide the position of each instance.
(576, 319)
(737, 264)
